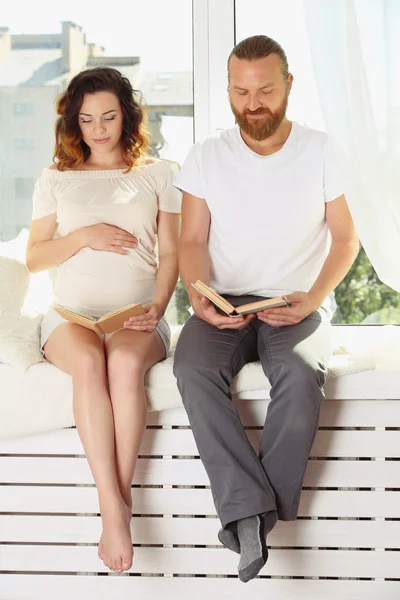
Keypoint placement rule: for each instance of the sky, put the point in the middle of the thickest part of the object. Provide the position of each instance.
(159, 31)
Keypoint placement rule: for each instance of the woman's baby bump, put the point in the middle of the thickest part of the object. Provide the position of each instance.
(101, 281)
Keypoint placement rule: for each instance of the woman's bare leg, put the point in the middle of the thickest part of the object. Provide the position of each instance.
(80, 352)
(130, 354)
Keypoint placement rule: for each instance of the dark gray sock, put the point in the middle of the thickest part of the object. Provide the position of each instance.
(229, 537)
(253, 547)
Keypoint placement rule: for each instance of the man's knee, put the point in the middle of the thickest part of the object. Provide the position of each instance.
(198, 375)
(300, 371)
(192, 365)
(192, 356)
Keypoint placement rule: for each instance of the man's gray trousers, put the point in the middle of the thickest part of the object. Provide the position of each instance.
(294, 359)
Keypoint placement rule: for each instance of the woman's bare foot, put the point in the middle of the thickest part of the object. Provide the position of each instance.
(115, 545)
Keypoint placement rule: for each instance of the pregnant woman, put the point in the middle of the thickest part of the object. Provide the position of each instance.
(109, 204)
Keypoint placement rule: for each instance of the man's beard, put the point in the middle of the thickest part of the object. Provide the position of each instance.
(261, 129)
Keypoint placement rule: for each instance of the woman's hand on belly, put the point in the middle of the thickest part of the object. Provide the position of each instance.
(147, 321)
(107, 237)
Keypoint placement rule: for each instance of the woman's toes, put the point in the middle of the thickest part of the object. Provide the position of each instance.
(111, 564)
(126, 564)
(118, 565)
(100, 550)
(116, 543)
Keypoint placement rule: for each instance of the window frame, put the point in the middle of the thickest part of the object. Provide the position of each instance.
(213, 39)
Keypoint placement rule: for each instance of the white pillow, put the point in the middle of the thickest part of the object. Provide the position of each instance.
(19, 329)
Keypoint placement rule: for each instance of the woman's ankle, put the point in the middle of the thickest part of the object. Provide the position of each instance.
(127, 497)
(111, 503)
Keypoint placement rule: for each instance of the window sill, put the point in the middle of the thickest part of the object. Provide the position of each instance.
(382, 343)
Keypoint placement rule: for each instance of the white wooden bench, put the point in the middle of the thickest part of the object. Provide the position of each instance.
(345, 543)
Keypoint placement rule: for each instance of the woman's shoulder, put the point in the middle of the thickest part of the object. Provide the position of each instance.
(155, 160)
(53, 168)
(49, 175)
(50, 172)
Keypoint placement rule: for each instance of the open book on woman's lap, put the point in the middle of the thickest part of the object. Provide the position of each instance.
(108, 323)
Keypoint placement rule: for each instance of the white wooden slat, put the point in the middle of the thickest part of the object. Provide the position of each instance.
(64, 587)
(353, 413)
(359, 413)
(178, 501)
(189, 531)
(154, 471)
(307, 563)
(61, 441)
(356, 444)
(374, 384)
(352, 473)
(171, 442)
(327, 443)
(334, 413)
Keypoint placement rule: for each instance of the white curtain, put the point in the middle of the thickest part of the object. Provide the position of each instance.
(355, 49)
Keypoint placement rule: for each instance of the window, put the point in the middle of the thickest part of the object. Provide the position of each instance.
(24, 144)
(272, 20)
(24, 187)
(23, 108)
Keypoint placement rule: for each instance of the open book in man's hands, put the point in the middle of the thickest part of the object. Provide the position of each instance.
(108, 323)
(243, 309)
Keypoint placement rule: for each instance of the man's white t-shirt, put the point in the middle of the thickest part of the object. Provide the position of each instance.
(268, 234)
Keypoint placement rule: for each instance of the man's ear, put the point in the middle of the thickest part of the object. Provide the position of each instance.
(290, 81)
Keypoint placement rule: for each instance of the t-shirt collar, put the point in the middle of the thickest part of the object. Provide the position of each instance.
(290, 142)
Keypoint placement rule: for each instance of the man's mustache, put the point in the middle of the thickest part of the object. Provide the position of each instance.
(259, 111)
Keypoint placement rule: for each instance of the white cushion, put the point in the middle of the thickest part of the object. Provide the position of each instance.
(41, 399)
(24, 298)
(19, 328)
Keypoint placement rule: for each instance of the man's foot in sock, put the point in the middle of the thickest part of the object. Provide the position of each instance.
(253, 547)
(229, 538)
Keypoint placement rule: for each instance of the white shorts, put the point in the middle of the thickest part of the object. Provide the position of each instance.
(52, 320)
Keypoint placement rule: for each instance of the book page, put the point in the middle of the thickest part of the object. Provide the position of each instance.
(113, 321)
(251, 307)
(118, 311)
(78, 319)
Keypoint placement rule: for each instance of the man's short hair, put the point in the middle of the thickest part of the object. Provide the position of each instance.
(259, 46)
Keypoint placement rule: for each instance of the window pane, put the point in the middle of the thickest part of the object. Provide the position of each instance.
(23, 108)
(361, 297)
(38, 57)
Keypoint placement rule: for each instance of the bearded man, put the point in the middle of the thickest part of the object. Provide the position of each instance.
(264, 215)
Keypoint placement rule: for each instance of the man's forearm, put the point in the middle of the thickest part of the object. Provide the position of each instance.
(335, 268)
(194, 264)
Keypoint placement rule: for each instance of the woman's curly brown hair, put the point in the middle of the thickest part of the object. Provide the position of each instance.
(70, 149)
